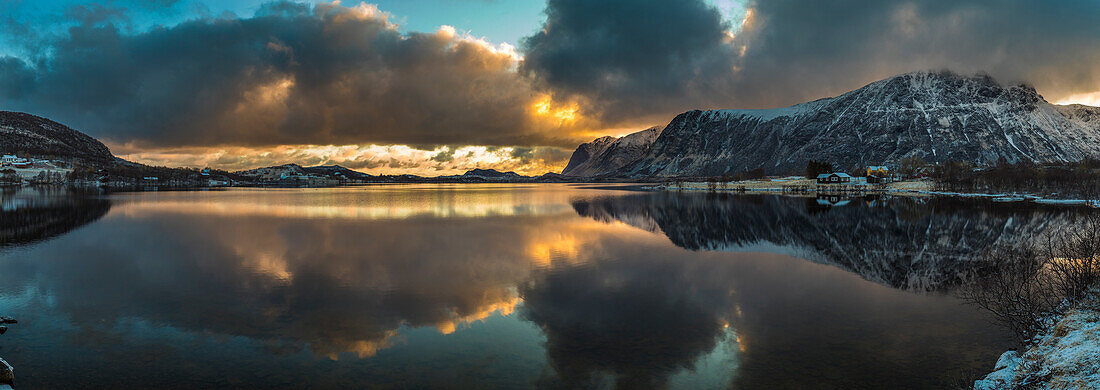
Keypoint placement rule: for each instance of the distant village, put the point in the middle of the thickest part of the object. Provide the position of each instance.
(16, 170)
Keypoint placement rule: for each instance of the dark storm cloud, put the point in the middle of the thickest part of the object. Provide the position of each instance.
(16, 79)
(656, 58)
(327, 74)
(290, 74)
(446, 155)
(631, 57)
(797, 50)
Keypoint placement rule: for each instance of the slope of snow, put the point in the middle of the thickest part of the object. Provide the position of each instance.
(935, 116)
(768, 114)
(1066, 357)
(608, 154)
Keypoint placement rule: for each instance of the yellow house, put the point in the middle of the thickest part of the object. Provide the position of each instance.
(878, 171)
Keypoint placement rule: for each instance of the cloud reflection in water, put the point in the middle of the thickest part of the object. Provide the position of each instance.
(438, 295)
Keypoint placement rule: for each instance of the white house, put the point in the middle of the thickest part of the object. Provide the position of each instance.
(834, 178)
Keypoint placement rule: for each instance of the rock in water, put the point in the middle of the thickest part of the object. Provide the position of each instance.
(7, 374)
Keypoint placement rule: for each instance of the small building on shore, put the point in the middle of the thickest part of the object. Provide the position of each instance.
(880, 171)
(834, 178)
(11, 159)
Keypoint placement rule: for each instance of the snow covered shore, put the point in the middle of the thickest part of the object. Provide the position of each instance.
(1067, 356)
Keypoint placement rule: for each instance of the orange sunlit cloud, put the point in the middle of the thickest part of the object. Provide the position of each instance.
(547, 108)
(372, 159)
(1088, 99)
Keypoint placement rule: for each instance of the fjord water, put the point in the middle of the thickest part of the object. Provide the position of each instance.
(494, 286)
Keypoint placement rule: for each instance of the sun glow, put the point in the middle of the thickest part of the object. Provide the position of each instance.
(546, 107)
(563, 246)
(1088, 99)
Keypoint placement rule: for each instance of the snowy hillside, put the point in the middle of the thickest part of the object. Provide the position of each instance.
(609, 154)
(935, 116)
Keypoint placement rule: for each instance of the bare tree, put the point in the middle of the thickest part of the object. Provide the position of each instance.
(1074, 258)
(1011, 285)
(1025, 286)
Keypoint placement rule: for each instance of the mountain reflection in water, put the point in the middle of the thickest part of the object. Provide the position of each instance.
(496, 286)
(908, 243)
(29, 215)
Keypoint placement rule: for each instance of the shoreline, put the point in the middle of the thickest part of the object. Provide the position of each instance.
(786, 187)
(906, 188)
(792, 188)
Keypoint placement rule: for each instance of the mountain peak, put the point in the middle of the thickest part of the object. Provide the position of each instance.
(933, 115)
(489, 173)
(607, 154)
(933, 87)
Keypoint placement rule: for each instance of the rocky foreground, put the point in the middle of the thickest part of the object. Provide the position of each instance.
(1067, 356)
(7, 374)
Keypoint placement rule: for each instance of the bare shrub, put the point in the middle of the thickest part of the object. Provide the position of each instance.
(1073, 257)
(1026, 286)
(1012, 284)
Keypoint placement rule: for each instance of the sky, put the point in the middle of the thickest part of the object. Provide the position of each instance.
(435, 87)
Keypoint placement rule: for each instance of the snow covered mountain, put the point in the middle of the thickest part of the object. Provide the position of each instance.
(490, 174)
(609, 154)
(290, 171)
(937, 116)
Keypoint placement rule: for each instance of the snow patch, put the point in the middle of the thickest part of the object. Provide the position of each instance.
(768, 114)
(1067, 356)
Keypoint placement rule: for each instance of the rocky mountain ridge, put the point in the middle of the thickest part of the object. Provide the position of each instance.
(609, 154)
(936, 116)
(490, 174)
(279, 172)
(26, 134)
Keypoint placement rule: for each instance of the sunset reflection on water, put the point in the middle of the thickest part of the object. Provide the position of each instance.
(491, 286)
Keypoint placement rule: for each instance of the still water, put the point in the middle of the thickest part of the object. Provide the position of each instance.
(494, 286)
